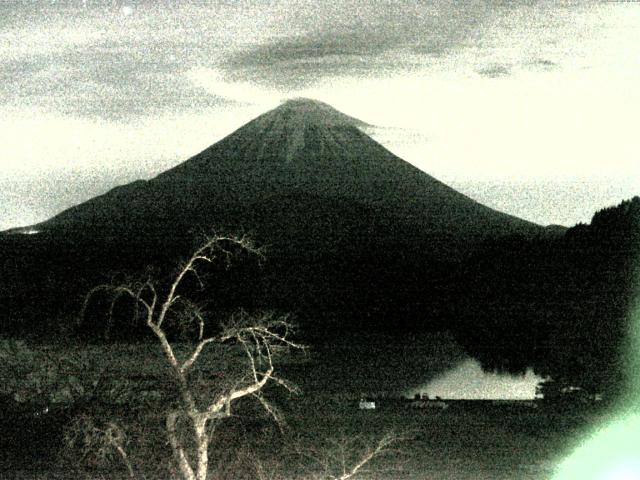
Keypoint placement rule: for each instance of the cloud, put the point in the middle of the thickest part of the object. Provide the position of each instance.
(377, 41)
(498, 70)
(97, 62)
(544, 64)
(210, 81)
(495, 70)
(309, 50)
(106, 80)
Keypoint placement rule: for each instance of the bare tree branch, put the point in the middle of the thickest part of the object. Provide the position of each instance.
(272, 411)
(382, 445)
(196, 353)
(260, 337)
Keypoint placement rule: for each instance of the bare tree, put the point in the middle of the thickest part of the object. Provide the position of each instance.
(260, 338)
(244, 347)
(348, 457)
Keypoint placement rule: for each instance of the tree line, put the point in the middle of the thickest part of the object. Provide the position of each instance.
(560, 305)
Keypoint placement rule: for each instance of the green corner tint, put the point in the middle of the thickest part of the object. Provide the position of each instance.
(612, 452)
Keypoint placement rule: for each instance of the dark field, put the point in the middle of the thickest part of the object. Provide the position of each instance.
(324, 425)
(467, 440)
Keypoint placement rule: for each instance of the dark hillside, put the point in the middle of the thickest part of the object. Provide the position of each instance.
(560, 305)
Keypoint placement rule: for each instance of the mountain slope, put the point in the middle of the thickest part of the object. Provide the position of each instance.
(303, 148)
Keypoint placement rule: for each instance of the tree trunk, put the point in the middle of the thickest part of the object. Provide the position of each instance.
(183, 463)
(202, 444)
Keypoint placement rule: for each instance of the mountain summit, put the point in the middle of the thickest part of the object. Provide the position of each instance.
(305, 111)
(299, 129)
(300, 121)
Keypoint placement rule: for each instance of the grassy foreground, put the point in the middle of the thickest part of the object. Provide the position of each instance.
(468, 440)
(462, 442)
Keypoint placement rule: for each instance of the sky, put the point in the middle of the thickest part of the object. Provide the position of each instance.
(529, 107)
